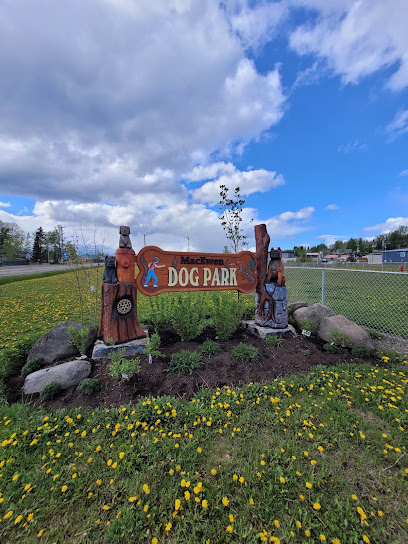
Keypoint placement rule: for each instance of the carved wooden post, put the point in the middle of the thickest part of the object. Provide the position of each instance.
(118, 317)
(262, 240)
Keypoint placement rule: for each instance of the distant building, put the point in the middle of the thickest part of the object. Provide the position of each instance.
(331, 258)
(288, 256)
(314, 256)
(374, 258)
(395, 255)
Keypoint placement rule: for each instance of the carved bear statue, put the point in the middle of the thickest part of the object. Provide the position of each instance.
(109, 274)
(124, 239)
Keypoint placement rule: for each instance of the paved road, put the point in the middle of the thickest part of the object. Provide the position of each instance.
(32, 269)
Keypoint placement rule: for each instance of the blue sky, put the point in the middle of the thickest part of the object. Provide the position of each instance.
(132, 112)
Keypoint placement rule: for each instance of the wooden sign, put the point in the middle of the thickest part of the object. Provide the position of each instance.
(161, 271)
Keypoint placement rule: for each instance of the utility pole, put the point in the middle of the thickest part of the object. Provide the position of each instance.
(144, 240)
(188, 243)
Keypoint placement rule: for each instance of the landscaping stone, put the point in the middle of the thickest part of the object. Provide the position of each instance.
(263, 332)
(339, 323)
(315, 312)
(297, 304)
(55, 345)
(66, 374)
(102, 350)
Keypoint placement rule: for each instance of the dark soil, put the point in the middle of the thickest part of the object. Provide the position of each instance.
(295, 355)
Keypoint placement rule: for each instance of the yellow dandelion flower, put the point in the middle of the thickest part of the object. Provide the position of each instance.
(309, 485)
(282, 480)
(146, 489)
(64, 488)
(251, 501)
(168, 527)
(132, 499)
(106, 507)
(187, 495)
(322, 537)
(366, 539)
(18, 519)
(229, 529)
(177, 504)
(204, 503)
(213, 471)
(276, 523)
(307, 532)
(225, 501)
(316, 506)
(8, 515)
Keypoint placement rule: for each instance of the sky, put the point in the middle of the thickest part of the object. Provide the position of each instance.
(134, 112)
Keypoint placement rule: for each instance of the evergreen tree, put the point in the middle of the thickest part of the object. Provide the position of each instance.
(39, 245)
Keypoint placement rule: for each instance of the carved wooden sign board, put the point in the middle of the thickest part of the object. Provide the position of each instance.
(161, 271)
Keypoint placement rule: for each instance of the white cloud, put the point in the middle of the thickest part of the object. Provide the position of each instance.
(257, 24)
(399, 125)
(137, 89)
(332, 207)
(329, 239)
(353, 147)
(288, 224)
(357, 38)
(5, 204)
(392, 223)
(404, 173)
(250, 182)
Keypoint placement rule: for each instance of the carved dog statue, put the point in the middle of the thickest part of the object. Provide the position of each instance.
(275, 267)
(109, 274)
(124, 240)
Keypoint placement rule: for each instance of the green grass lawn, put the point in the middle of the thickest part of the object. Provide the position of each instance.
(317, 457)
(373, 299)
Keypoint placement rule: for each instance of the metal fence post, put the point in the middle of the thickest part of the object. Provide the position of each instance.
(323, 283)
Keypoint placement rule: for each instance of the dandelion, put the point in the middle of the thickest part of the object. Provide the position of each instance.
(64, 488)
(366, 539)
(18, 519)
(168, 527)
(8, 515)
(146, 489)
(213, 471)
(106, 507)
(276, 523)
(225, 501)
(282, 480)
(187, 495)
(229, 529)
(316, 506)
(132, 499)
(177, 504)
(204, 503)
(309, 485)
(322, 537)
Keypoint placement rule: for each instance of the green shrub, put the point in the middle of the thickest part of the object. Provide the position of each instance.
(306, 352)
(78, 338)
(185, 361)
(209, 348)
(245, 353)
(189, 316)
(360, 351)
(226, 315)
(249, 308)
(121, 368)
(50, 391)
(392, 356)
(340, 338)
(331, 348)
(32, 366)
(308, 324)
(375, 335)
(160, 313)
(273, 341)
(89, 386)
(152, 348)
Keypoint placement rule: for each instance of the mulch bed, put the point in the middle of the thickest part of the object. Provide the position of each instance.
(153, 380)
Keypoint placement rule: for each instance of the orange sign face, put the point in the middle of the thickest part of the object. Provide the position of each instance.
(161, 271)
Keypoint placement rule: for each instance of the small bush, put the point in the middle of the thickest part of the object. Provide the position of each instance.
(392, 356)
(152, 348)
(189, 316)
(245, 353)
(89, 386)
(160, 313)
(78, 338)
(331, 348)
(306, 352)
(50, 391)
(273, 341)
(375, 335)
(32, 366)
(341, 339)
(226, 315)
(209, 348)
(185, 361)
(308, 324)
(360, 351)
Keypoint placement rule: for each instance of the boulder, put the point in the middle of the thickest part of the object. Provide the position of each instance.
(66, 374)
(357, 336)
(293, 306)
(55, 344)
(315, 312)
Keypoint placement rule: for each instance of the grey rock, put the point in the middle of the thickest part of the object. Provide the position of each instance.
(315, 312)
(339, 323)
(55, 345)
(263, 332)
(66, 374)
(102, 351)
(297, 304)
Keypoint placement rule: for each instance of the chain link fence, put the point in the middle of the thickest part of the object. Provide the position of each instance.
(375, 299)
